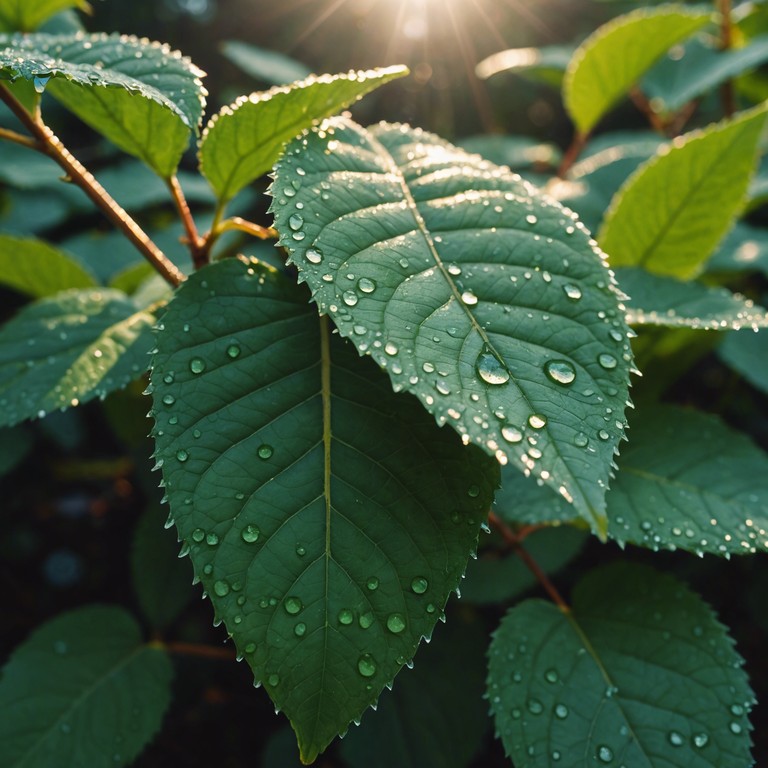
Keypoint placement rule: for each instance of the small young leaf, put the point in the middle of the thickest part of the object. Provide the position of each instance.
(674, 491)
(69, 348)
(331, 518)
(747, 354)
(640, 673)
(142, 96)
(546, 64)
(661, 300)
(82, 690)
(264, 65)
(485, 300)
(244, 140)
(37, 269)
(673, 211)
(28, 15)
(611, 60)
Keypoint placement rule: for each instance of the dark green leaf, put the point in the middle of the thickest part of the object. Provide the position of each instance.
(67, 349)
(268, 66)
(662, 300)
(434, 718)
(673, 211)
(640, 673)
(744, 248)
(747, 354)
(28, 15)
(37, 269)
(688, 481)
(517, 152)
(245, 139)
(525, 500)
(82, 690)
(331, 518)
(485, 300)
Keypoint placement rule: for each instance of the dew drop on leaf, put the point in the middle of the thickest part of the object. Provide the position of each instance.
(561, 372)
(346, 616)
(366, 285)
(250, 534)
(604, 754)
(473, 492)
(233, 351)
(675, 739)
(295, 222)
(198, 535)
(419, 585)
(490, 369)
(211, 539)
(372, 584)
(168, 399)
(350, 298)
(396, 623)
(535, 707)
(511, 434)
(197, 365)
(292, 605)
(265, 451)
(700, 740)
(469, 298)
(609, 362)
(366, 665)
(573, 292)
(221, 588)
(537, 421)
(273, 681)
(365, 620)
(300, 629)
(561, 711)
(314, 255)
(182, 455)
(551, 676)
(581, 440)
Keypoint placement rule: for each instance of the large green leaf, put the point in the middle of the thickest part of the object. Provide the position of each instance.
(327, 518)
(611, 60)
(661, 300)
(37, 269)
(28, 15)
(640, 673)
(688, 481)
(485, 300)
(244, 140)
(82, 690)
(141, 95)
(673, 211)
(69, 348)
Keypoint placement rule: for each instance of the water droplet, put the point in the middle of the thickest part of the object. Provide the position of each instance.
(366, 285)
(735, 728)
(300, 550)
(346, 616)
(250, 534)
(300, 629)
(366, 620)
(314, 256)
(273, 681)
(490, 368)
(366, 665)
(573, 292)
(198, 535)
(511, 434)
(40, 81)
(197, 365)
(469, 298)
(561, 372)
(537, 421)
(531, 219)
(211, 539)
(295, 222)
(473, 491)
(581, 440)
(561, 711)
(419, 585)
(603, 435)
(604, 754)
(221, 588)
(551, 676)
(350, 298)
(675, 739)
(233, 351)
(250, 648)
(372, 584)
(169, 399)
(700, 740)
(182, 455)
(609, 362)
(265, 451)
(535, 707)
(396, 623)
(292, 605)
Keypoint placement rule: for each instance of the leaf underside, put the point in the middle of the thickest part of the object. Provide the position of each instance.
(327, 518)
(486, 301)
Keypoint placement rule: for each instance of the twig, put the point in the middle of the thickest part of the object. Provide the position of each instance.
(572, 153)
(249, 227)
(18, 138)
(49, 144)
(197, 245)
(641, 101)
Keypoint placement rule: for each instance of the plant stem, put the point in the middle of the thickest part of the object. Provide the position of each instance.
(198, 246)
(727, 95)
(17, 138)
(515, 544)
(197, 649)
(572, 153)
(249, 227)
(49, 144)
(641, 101)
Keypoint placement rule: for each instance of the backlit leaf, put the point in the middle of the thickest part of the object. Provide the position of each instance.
(244, 140)
(28, 15)
(485, 300)
(640, 673)
(82, 690)
(327, 518)
(673, 211)
(611, 60)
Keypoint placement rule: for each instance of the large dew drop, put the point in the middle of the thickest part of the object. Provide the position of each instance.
(366, 665)
(561, 372)
(490, 369)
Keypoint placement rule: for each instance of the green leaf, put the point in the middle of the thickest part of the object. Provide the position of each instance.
(673, 211)
(141, 95)
(37, 269)
(517, 152)
(547, 63)
(82, 690)
(747, 354)
(744, 249)
(640, 673)
(28, 15)
(434, 717)
(674, 491)
(523, 500)
(160, 579)
(327, 556)
(661, 300)
(485, 300)
(268, 66)
(697, 69)
(67, 349)
(611, 60)
(244, 140)
(495, 578)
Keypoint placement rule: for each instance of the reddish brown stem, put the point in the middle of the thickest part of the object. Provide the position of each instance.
(202, 651)
(17, 138)
(514, 541)
(198, 246)
(641, 101)
(572, 153)
(49, 144)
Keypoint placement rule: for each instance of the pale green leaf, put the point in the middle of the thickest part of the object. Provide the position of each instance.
(37, 269)
(485, 300)
(672, 212)
(82, 690)
(688, 481)
(611, 60)
(69, 348)
(28, 15)
(662, 300)
(143, 96)
(434, 717)
(639, 673)
(547, 63)
(244, 140)
(265, 65)
(327, 518)
(747, 354)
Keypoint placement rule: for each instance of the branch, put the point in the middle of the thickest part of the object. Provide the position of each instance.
(641, 101)
(249, 227)
(49, 144)
(198, 246)
(18, 138)
(572, 153)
